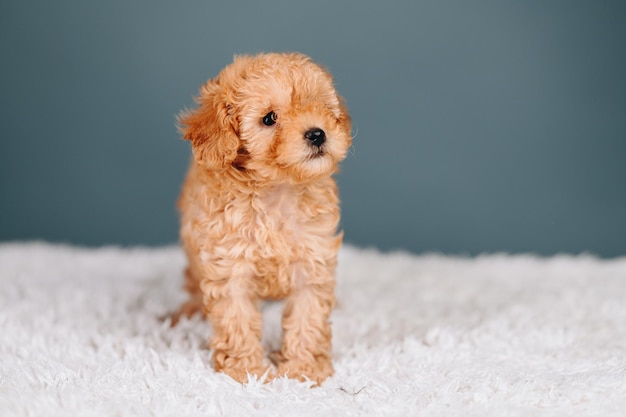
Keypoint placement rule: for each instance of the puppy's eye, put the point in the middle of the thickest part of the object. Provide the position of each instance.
(270, 118)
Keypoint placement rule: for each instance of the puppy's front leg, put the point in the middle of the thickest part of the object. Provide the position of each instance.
(306, 347)
(232, 308)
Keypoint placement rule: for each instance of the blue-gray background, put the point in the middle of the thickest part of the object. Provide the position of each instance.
(480, 126)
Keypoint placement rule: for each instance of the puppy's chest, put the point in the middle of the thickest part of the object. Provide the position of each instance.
(278, 220)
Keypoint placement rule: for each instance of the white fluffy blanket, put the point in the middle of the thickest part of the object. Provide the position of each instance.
(427, 335)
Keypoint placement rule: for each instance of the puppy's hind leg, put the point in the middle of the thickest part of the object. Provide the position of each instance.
(194, 304)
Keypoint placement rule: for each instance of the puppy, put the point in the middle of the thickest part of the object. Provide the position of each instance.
(260, 210)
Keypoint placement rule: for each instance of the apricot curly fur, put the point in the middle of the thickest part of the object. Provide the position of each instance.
(260, 211)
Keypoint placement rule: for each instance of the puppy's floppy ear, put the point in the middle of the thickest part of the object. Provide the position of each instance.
(210, 128)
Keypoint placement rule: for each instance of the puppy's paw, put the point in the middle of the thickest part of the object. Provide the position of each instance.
(317, 371)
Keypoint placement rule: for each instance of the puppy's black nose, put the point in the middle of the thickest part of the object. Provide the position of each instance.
(316, 136)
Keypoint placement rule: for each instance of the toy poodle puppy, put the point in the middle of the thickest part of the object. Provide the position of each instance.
(260, 211)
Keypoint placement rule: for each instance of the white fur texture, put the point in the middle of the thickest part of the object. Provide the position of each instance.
(427, 335)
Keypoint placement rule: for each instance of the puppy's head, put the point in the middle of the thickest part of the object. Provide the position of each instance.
(274, 116)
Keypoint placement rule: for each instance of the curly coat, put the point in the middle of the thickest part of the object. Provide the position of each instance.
(260, 210)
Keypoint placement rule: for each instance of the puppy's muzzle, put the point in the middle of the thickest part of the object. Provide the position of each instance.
(315, 136)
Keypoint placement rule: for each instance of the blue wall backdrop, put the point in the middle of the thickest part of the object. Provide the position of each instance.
(480, 126)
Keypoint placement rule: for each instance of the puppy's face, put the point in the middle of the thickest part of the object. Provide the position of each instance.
(275, 116)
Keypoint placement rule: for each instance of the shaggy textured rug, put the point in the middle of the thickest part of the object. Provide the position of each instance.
(429, 335)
